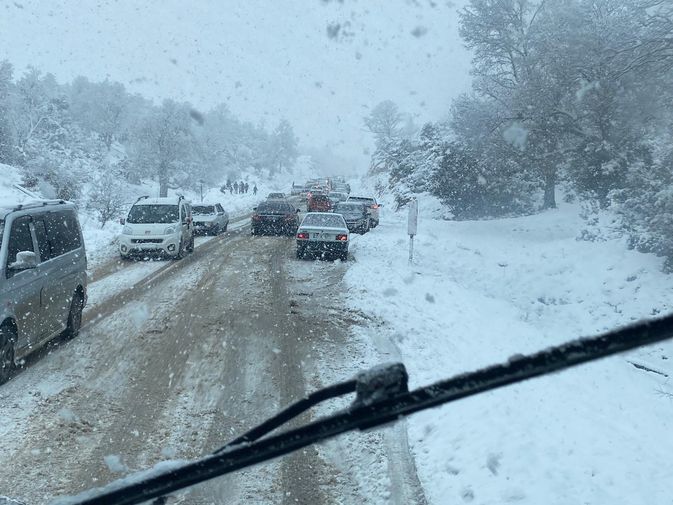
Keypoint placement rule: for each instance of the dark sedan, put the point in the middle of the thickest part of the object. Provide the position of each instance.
(355, 214)
(275, 217)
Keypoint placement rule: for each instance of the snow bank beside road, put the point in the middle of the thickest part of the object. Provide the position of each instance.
(480, 292)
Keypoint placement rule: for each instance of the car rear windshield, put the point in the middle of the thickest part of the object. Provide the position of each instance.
(203, 210)
(273, 207)
(146, 214)
(326, 220)
(352, 209)
(320, 198)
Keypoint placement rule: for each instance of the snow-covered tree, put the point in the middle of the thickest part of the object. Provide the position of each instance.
(384, 123)
(165, 143)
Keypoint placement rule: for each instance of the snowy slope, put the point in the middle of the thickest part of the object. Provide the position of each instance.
(479, 292)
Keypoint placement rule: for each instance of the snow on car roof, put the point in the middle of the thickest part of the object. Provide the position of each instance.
(166, 200)
(326, 219)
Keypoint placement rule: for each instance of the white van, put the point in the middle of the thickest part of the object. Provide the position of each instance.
(161, 226)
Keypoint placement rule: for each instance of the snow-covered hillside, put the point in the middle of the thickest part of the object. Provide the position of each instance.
(479, 292)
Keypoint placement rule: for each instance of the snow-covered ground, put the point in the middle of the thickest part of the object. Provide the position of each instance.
(481, 291)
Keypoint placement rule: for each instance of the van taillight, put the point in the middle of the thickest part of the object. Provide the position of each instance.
(342, 238)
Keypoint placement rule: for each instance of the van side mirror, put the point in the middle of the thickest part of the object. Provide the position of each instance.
(25, 260)
(122, 221)
(254, 209)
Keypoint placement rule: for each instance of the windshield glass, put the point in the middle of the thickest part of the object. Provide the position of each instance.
(325, 220)
(273, 207)
(159, 214)
(203, 210)
(501, 179)
(346, 209)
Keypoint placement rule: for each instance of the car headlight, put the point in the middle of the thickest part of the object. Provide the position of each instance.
(127, 230)
(170, 230)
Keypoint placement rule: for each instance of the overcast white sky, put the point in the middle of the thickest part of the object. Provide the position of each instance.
(265, 59)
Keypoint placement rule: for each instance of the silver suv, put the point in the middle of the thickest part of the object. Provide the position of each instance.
(42, 278)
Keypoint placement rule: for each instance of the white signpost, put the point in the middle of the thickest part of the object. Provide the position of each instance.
(412, 227)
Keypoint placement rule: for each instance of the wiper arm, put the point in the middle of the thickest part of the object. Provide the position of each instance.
(382, 397)
(291, 412)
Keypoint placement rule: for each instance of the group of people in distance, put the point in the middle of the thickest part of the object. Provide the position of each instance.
(238, 188)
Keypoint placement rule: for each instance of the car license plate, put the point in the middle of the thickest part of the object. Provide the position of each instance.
(318, 236)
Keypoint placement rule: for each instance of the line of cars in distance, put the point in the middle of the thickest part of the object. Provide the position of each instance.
(332, 215)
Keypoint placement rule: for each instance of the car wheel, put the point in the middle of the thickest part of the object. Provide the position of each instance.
(343, 256)
(74, 317)
(7, 338)
(300, 253)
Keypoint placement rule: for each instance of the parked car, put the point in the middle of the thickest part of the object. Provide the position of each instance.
(276, 196)
(371, 204)
(336, 197)
(43, 278)
(209, 219)
(319, 202)
(160, 226)
(355, 214)
(325, 233)
(275, 216)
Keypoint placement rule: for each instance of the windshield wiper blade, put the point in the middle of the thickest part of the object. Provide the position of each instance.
(289, 413)
(382, 398)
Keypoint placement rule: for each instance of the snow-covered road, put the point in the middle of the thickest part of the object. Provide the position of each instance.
(187, 356)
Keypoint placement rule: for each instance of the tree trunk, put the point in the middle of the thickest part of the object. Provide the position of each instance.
(163, 181)
(549, 190)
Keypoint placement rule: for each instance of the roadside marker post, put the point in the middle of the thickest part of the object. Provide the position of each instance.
(412, 227)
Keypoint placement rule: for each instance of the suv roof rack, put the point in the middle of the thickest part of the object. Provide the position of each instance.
(38, 203)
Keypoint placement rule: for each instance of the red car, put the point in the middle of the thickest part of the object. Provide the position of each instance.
(318, 202)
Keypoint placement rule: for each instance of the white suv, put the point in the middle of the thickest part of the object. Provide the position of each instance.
(160, 226)
(42, 277)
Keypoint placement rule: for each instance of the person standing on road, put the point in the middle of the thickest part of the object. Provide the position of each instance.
(241, 186)
(254, 189)
(236, 187)
(247, 186)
